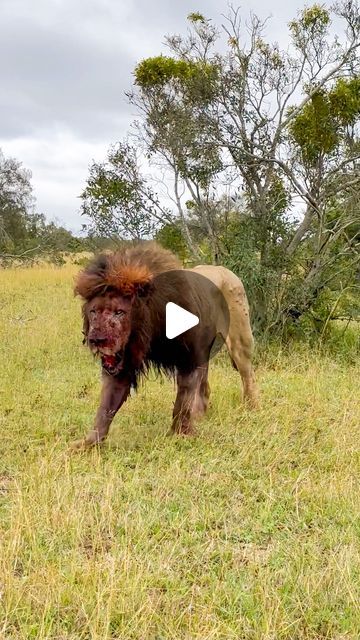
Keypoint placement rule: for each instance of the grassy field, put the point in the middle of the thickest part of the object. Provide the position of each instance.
(249, 531)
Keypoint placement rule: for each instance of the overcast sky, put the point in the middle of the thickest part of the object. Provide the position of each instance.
(65, 65)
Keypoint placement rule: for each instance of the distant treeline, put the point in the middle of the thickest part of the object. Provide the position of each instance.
(25, 235)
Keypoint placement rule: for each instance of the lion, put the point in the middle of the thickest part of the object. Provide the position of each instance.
(124, 307)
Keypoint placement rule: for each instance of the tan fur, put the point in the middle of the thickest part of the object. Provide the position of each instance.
(238, 336)
(156, 258)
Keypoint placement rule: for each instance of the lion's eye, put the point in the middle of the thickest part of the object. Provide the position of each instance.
(92, 311)
(119, 312)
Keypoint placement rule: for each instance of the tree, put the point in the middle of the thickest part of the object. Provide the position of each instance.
(16, 201)
(246, 117)
(273, 130)
(326, 155)
(118, 200)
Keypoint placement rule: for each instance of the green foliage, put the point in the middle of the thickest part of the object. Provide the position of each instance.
(196, 17)
(314, 130)
(315, 17)
(177, 92)
(345, 101)
(170, 237)
(116, 197)
(312, 22)
(159, 70)
(15, 203)
(318, 129)
(261, 263)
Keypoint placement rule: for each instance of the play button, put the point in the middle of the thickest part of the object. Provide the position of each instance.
(178, 320)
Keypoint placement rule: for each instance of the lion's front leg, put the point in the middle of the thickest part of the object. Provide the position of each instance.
(113, 394)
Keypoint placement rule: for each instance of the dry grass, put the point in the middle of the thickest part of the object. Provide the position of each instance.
(249, 531)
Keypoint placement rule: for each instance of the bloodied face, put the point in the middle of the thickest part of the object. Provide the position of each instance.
(107, 327)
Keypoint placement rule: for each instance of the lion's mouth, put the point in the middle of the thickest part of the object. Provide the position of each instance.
(112, 363)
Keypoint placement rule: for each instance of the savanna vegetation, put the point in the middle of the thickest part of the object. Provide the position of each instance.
(250, 530)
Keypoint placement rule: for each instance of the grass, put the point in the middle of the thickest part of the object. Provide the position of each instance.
(249, 531)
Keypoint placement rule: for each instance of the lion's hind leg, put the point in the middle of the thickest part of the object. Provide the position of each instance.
(240, 355)
(240, 343)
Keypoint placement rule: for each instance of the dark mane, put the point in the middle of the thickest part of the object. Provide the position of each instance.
(126, 271)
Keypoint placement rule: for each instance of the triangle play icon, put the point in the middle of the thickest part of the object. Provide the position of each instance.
(178, 320)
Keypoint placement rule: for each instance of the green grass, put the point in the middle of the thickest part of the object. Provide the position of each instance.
(249, 531)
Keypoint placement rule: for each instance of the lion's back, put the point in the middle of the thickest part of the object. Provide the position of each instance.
(222, 277)
(233, 292)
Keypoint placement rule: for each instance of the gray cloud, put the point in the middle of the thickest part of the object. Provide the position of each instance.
(65, 65)
(51, 76)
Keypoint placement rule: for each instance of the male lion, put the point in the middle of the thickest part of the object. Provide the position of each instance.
(125, 295)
